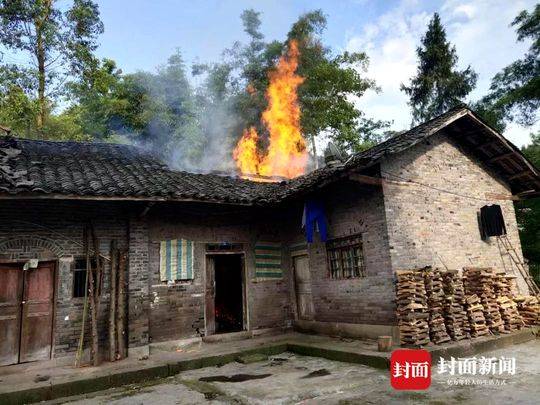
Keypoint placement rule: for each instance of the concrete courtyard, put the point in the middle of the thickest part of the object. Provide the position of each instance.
(289, 378)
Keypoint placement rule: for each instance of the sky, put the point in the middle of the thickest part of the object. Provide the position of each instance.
(142, 34)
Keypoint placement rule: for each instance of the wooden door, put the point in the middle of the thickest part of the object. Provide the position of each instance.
(11, 283)
(210, 296)
(302, 283)
(37, 313)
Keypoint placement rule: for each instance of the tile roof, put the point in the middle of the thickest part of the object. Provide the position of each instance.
(122, 171)
(110, 170)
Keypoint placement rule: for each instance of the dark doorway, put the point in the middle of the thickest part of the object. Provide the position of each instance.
(228, 293)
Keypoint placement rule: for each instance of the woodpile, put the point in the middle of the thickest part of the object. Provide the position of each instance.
(442, 306)
(501, 285)
(475, 312)
(435, 298)
(412, 311)
(479, 282)
(457, 323)
(512, 285)
(528, 307)
(509, 313)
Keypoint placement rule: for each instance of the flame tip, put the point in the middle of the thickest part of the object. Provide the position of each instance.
(287, 151)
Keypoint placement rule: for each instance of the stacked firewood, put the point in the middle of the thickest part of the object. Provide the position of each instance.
(435, 298)
(475, 312)
(412, 313)
(509, 313)
(501, 285)
(512, 285)
(479, 282)
(457, 323)
(529, 308)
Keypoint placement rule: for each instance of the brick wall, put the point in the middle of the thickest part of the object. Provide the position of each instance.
(54, 231)
(177, 311)
(430, 227)
(352, 209)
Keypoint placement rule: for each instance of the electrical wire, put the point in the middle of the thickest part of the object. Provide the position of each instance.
(433, 187)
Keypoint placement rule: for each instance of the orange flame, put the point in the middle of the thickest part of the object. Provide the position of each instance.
(287, 154)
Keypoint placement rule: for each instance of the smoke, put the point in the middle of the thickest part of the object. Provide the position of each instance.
(190, 128)
(217, 124)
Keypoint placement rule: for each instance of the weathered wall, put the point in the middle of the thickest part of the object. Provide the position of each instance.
(177, 311)
(427, 226)
(54, 231)
(352, 209)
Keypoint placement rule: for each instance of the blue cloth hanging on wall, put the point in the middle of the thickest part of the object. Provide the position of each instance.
(314, 219)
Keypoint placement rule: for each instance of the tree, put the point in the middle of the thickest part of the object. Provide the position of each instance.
(438, 85)
(528, 211)
(96, 97)
(332, 82)
(326, 97)
(59, 43)
(515, 91)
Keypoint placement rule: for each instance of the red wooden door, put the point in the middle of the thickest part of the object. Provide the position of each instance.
(10, 312)
(37, 313)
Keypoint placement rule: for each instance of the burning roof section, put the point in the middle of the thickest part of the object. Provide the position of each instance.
(46, 169)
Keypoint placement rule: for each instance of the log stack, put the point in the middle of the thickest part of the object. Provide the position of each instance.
(529, 308)
(479, 282)
(512, 285)
(501, 285)
(435, 298)
(412, 312)
(509, 313)
(475, 312)
(455, 315)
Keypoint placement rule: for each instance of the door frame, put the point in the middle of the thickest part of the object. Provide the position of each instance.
(55, 287)
(210, 267)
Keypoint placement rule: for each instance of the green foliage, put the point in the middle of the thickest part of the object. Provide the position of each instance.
(326, 96)
(331, 83)
(18, 111)
(437, 86)
(58, 45)
(515, 91)
(528, 211)
(163, 110)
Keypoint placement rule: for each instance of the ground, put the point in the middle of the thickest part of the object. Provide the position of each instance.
(289, 378)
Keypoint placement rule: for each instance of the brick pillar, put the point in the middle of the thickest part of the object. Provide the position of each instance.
(138, 303)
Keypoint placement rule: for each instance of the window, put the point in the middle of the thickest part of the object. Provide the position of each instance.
(79, 277)
(345, 257)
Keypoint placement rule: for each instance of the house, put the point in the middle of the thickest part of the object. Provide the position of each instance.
(214, 254)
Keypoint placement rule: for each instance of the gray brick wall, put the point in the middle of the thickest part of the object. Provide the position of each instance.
(352, 209)
(430, 227)
(177, 311)
(54, 231)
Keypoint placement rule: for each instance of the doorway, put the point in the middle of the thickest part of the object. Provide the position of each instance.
(225, 293)
(26, 308)
(302, 287)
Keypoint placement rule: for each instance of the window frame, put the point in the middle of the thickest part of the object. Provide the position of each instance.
(76, 269)
(341, 255)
